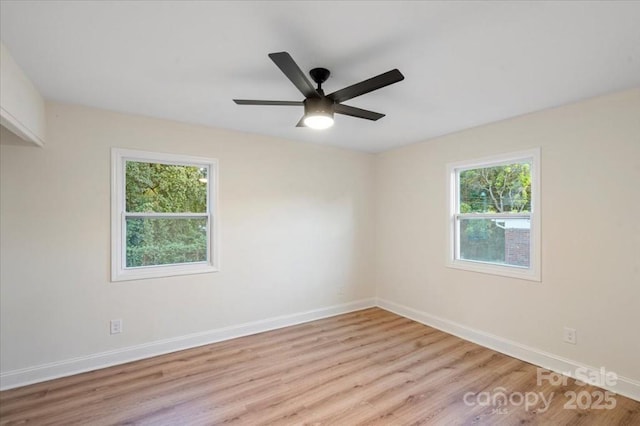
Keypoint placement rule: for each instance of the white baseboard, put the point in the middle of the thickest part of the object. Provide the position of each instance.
(16, 378)
(54, 370)
(624, 386)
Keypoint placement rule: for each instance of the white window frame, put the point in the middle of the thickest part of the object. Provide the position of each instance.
(533, 272)
(119, 270)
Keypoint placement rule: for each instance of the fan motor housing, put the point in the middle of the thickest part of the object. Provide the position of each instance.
(321, 105)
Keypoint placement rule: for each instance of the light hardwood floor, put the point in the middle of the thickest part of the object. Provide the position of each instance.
(368, 367)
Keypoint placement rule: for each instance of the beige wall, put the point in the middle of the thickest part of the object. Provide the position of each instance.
(296, 235)
(590, 177)
(305, 227)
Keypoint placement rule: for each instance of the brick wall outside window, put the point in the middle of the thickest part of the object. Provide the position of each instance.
(516, 247)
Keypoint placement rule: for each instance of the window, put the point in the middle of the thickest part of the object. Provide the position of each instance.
(494, 224)
(163, 215)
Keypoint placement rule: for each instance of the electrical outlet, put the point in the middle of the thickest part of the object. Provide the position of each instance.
(570, 335)
(116, 326)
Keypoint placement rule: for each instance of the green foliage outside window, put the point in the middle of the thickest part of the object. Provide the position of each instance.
(162, 188)
(498, 189)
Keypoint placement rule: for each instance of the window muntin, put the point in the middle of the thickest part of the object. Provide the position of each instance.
(494, 222)
(163, 220)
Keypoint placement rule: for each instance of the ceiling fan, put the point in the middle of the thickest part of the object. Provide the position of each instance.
(318, 107)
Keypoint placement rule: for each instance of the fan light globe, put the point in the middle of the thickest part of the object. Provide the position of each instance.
(318, 121)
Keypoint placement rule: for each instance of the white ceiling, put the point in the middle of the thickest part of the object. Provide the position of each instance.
(465, 63)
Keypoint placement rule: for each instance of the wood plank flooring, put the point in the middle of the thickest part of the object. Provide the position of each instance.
(369, 367)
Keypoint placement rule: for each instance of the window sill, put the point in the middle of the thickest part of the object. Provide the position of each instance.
(493, 269)
(161, 272)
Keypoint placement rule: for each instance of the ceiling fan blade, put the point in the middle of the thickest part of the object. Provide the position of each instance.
(301, 122)
(256, 102)
(367, 86)
(356, 112)
(288, 66)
